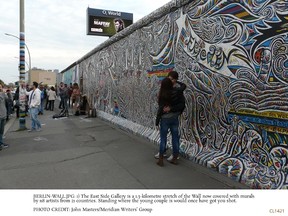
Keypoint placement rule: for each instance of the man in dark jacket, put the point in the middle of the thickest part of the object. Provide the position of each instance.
(178, 98)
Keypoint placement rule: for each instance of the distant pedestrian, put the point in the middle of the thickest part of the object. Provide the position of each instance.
(34, 102)
(9, 104)
(51, 98)
(3, 115)
(16, 102)
(20, 98)
(47, 89)
(116, 108)
(61, 95)
(76, 98)
(43, 98)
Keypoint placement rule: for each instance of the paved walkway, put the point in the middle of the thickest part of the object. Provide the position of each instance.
(89, 153)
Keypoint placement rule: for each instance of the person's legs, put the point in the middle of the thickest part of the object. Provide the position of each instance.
(69, 100)
(36, 120)
(73, 105)
(163, 135)
(61, 105)
(76, 105)
(9, 108)
(163, 140)
(174, 128)
(42, 107)
(49, 105)
(52, 105)
(65, 105)
(33, 115)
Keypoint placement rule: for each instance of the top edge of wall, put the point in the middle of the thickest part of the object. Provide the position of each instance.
(160, 12)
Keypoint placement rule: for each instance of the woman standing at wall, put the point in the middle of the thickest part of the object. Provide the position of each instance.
(169, 110)
(164, 100)
(76, 97)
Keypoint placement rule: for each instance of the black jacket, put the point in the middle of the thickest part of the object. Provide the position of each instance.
(178, 102)
(16, 95)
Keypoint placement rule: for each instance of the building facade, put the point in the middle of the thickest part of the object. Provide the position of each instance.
(47, 77)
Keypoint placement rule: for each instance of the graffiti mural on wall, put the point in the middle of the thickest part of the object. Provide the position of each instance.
(246, 42)
(233, 56)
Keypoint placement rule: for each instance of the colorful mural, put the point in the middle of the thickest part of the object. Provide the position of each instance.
(233, 56)
(70, 76)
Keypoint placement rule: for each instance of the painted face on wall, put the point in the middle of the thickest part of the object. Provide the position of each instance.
(266, 56)
(262, 56)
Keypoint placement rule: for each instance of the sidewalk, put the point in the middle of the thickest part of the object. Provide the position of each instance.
(89, 153)
(9, 124)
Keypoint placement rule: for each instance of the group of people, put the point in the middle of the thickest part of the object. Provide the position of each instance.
(171, 103)
(47, 97)
(69, 96)
(32, 100)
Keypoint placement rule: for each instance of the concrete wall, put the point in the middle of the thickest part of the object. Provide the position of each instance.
(233, 57)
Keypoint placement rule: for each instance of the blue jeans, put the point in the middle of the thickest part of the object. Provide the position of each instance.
(2, 125)
(34, 118)
(65, 105)
(41, 108)
(173, 125)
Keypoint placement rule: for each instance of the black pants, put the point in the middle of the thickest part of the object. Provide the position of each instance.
(61, 104)
(51, 105)
(47, 104)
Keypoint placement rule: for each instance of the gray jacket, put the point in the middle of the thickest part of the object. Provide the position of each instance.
(3, 111)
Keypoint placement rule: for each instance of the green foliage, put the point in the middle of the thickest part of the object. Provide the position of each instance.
(2, 83)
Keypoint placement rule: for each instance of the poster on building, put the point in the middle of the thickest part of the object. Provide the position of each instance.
(107, 22)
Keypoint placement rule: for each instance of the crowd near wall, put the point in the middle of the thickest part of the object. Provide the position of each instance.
(233, 56)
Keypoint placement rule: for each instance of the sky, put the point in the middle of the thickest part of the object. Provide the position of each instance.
(55, 31)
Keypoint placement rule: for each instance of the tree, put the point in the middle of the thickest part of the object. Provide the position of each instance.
(2, 83)
(11, 85)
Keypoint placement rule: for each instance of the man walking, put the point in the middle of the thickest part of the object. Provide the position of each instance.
(34, 102)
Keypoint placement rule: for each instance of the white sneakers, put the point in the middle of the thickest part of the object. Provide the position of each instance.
(171, 157)
(156, 156)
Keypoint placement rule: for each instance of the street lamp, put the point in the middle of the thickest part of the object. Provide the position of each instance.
(22, 44)
(22, 112)
(25, 46)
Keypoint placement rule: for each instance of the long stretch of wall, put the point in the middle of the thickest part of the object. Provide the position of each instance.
(233, 56)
